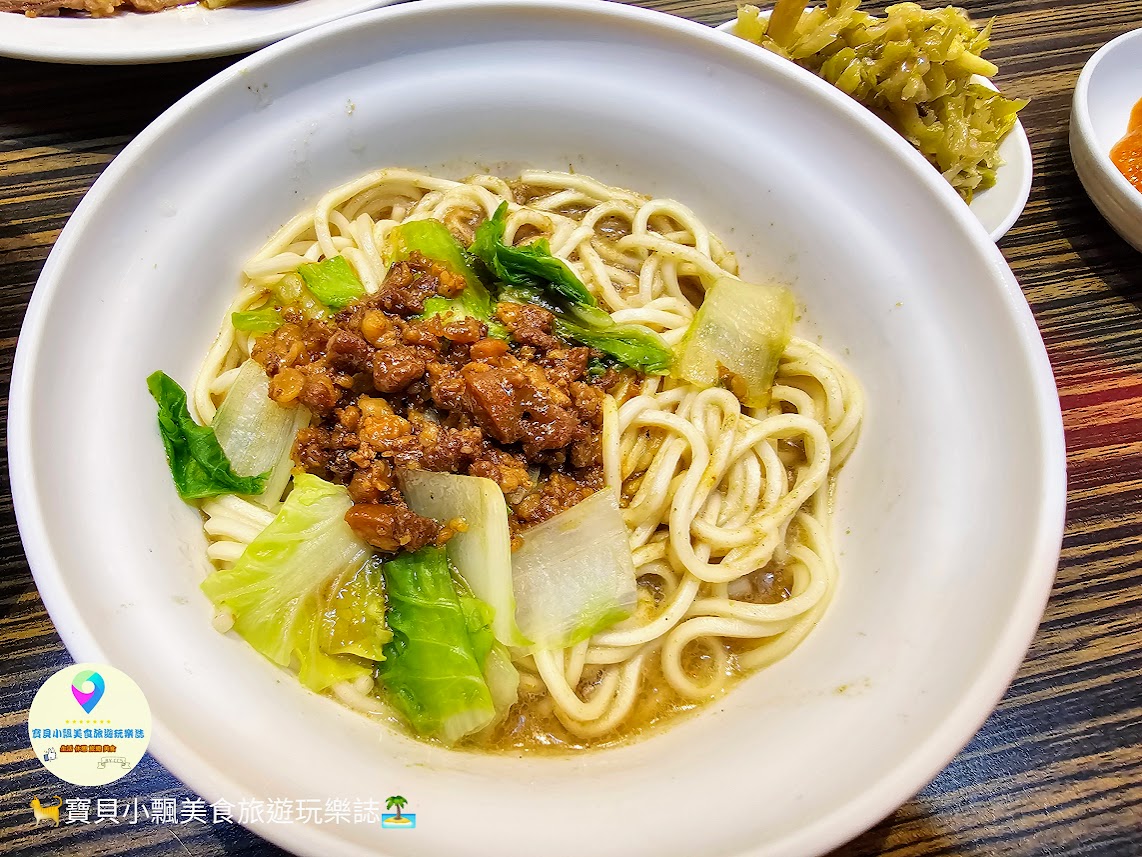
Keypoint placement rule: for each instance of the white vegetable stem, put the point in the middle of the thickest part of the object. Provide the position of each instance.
(574, 575)
(482, 554)
(737, 338)
(257, 433)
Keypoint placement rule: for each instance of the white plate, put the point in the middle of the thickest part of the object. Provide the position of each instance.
(998, 207)
(182, 33)
(1107, 91)
(949, 515)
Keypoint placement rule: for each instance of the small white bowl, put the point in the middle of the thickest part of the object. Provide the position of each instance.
(998, 207)
(1108, 88)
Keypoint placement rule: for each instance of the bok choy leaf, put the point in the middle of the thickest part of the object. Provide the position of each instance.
(332, 281)
(503, 681)
(528, 264)
(198, 464)
(482, 554)
(304, 589)
(574, 575)
(433, 668)
(630, 344)
(531, 274)
(291, 290)
(353, 621)
(265, 320)
(432, 239)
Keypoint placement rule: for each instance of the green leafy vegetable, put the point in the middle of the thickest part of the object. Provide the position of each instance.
(528, 264)
(306, 589)
(198, 464)
(353, 622)
(499, 672)
(585, 315)
(291, 290)
(265, 320)
(332, 281)
(454, 308)
(439, 305)
(478, 620)
(503, 680)
(597, 367)
(432, 239)
(433, 668)
(531, 274)
(629, 344)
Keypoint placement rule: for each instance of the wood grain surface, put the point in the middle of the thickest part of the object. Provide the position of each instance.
(1056, 770)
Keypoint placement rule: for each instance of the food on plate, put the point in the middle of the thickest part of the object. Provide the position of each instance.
(517, 465)
(921, 71)
(1127, 152)
(99, 8)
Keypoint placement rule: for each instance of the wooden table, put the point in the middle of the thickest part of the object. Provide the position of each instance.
(1056, 770)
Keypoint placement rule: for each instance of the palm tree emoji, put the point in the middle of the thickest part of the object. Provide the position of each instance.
(398, 802)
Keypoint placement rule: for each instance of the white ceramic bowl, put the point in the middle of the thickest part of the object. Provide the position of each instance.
(181, 33)
(1108, 88)
(949, 515)
(998, 207)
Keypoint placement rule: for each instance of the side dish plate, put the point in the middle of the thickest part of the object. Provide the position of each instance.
(998, 207)
(182, 33)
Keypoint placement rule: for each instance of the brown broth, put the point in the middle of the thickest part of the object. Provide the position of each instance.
(531, 727)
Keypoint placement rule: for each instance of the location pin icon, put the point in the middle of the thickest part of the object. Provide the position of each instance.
(87, 687)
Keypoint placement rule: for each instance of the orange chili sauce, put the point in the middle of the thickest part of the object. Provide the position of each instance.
(1127, 152)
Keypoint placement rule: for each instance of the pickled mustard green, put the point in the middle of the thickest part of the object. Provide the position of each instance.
(915, 68)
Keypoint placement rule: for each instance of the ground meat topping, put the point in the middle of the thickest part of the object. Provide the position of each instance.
(530, 325)
(348, 352)
(392, 392)
(391, 528)
(411, 282)
(395, 367)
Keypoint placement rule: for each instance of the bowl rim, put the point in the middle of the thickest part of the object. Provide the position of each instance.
(896, 784)
(1081, 121)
